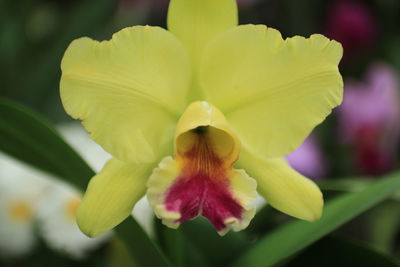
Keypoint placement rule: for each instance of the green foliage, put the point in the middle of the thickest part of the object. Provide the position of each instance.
(292, 237)
(333, 251)
(28, 137)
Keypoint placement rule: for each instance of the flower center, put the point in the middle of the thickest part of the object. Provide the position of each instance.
(71, 208)
(201, 180)
(20, 211)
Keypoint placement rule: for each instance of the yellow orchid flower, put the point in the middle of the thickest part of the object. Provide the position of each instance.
(182, 110)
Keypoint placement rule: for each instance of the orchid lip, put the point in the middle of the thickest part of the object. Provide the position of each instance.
(200, 180)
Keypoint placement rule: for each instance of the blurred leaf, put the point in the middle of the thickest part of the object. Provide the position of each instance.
(193, 256)
(302, 16)
(172, 241)
(41, 68)
(352, 184)
(28, 137)
(44, 256)
(297, 235)
(119, 255)
(392, 51)
(333, 251)
(143, 249)
(384, 222)
(216, 250)
(266, 219)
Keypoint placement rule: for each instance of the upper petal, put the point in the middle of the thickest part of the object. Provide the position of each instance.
(272, 91)
(282, 187)
(111, 196)
(196, 22)
(128, 91)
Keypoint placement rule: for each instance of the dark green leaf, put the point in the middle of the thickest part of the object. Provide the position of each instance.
(144, 251)
(43, 72)
(31, 139)
(297, 235)
(383, 224)
(28, 137)
(334, 251)
(172, 242)
(216, 250)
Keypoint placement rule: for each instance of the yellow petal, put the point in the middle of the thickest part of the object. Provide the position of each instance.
(201, 180)
(272, 91)
(282, 187)
(129, 91)
(111, 196)
(196, 22)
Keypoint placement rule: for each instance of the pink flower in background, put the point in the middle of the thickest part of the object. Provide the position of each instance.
(369, 119)
(308, 159)
(352, 24)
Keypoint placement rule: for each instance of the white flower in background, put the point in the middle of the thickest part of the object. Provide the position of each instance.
(57, 222)
(57, 210)
(144, 215)
(29, 196)
(78, 138)
(21, 188)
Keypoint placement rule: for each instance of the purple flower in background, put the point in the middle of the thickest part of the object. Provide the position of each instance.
(308, 159)
(352, 24)
(369, 119)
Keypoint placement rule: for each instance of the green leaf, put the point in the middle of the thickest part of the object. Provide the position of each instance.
(351, 184)
(172, 241)
(216, 250)
(144, 251)
(336, 251)
(42, 71)
(29, 138)
(383, 225)
(297, 235)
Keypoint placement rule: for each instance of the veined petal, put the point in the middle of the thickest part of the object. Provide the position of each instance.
(201, 180)
(196, 22)
(128, 91)
(111, 196)
(282, 187)
(272, 91)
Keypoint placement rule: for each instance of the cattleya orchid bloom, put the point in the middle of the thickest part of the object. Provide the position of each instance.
(191, 114)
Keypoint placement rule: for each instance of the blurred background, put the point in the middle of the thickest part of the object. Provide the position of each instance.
(359, 142)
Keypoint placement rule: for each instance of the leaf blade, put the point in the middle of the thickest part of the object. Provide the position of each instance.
(275, 247)
(31, 139)
(42, 147)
